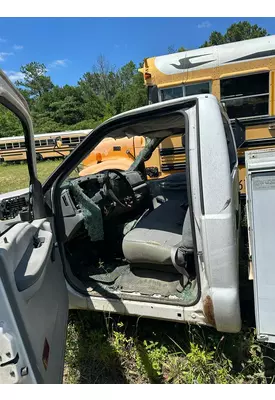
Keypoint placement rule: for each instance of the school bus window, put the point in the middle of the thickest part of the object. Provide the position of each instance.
(246, 96)
(197, 88)
(75, 140)
(43, 142)
(171, 93)
(185, 90)
(3, 146)
(37, 143)
(65, 140)
(9, 145)
(15, 145)
(50, 141)
(22, 144)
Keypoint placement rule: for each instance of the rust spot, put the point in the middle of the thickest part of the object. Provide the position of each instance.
(209, 310)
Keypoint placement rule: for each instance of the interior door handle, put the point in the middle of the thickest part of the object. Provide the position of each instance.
(34, 261)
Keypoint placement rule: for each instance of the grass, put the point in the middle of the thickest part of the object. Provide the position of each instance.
(16, 176)
(115, 349)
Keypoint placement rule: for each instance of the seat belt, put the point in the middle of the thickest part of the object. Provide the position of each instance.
(178, 257)
(180, 264)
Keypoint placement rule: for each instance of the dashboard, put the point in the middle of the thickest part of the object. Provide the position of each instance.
(125, 197)
(131, 191)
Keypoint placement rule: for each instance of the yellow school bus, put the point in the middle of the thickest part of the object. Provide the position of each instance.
(47, 145)
(241, 75)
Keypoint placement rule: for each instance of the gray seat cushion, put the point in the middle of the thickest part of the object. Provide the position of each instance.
(154, 236)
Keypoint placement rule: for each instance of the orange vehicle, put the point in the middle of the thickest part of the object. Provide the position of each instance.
(120, 153)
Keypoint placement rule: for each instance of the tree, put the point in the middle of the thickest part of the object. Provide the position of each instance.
(62, 106)
(132, 92)
(35, 82)
(10, 124)
(171, 49)
(215, 39)
(242, 30)
(181, 49)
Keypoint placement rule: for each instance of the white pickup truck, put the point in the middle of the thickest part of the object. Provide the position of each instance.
(117, 242)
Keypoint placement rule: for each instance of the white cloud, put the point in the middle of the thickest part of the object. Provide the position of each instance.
(14, 75)
(58, 63)
(3, 55)
(204, 24)
(17, 47)
(2, 40)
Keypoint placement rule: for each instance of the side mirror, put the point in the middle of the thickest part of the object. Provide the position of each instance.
(153, 94)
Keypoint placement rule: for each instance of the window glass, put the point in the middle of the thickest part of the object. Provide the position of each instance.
(246, 96)
(74, 140)
(171, 93)
(197, 88)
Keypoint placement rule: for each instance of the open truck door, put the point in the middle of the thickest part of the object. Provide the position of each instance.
(34, 299)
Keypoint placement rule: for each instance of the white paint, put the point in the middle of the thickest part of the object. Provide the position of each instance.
(214, 56)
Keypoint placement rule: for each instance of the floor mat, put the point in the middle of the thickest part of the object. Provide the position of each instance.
(148, 282)
(102, 272)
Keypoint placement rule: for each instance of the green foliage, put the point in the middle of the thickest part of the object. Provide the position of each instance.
(181, 49)
(242, 30)
(35, 82)
(99, 95)
(10, 124)
(128, 350)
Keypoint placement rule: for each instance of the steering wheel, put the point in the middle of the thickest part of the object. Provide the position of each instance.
(129, 199)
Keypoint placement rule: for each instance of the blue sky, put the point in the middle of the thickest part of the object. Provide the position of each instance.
(69, 47)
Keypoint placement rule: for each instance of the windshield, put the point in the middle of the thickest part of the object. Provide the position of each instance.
(146, 152)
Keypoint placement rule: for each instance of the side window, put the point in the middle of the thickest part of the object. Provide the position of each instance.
(246, 96)
(171, 93)
(185, 90)
(197, 88)
(232, 153)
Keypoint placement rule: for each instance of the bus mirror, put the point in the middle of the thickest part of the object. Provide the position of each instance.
(153, 94)
(239, 133)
